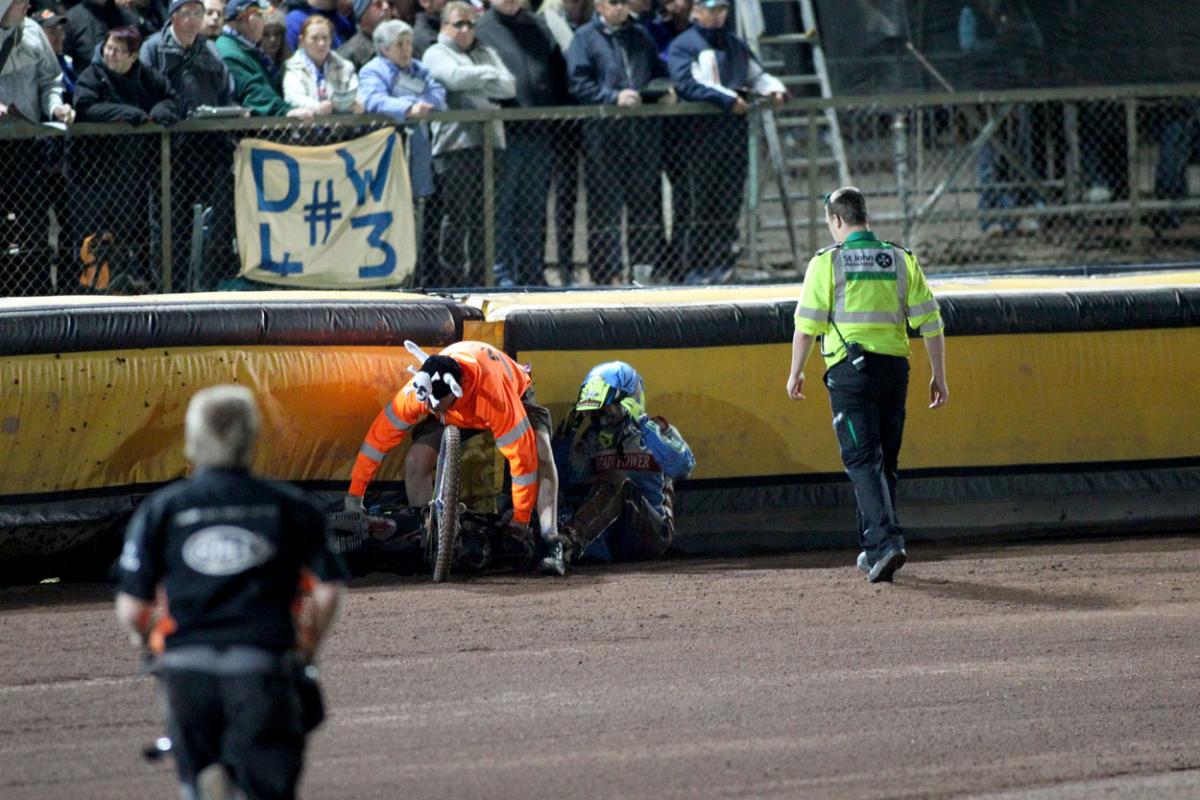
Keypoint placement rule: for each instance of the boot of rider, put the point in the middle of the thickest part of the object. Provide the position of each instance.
(600, 509)
(650, 531)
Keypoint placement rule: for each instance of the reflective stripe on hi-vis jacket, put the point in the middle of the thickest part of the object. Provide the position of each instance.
(870, 290)
(492, 385)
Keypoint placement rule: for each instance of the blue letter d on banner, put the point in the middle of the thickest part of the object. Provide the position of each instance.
(258, 161)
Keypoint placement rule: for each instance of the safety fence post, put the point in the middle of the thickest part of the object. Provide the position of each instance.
(164, 228)
(814, 190)
(1136, 235)
(489, 204)
(900, 154)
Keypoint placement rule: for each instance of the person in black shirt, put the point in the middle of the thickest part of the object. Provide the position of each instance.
(227, 552)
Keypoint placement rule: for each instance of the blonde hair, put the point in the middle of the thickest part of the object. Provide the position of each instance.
(221, 427)
(457, 5)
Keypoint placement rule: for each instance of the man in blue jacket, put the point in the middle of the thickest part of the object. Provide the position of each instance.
(612, 61)
(710, 65)
(396, 84)
(617, 466)
(529, 51)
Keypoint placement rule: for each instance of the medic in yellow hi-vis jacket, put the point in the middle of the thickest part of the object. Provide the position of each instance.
(475, 387)
(859, 297)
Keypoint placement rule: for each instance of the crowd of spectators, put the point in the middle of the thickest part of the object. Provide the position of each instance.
(161, 61)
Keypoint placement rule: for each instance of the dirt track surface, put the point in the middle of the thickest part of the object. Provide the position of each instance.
(1066, 670)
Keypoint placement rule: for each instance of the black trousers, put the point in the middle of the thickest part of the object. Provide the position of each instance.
(568, 163)
(250, 723)
(524, 185)
(868, 418)
(709, 188)
(623, 171)
(460, 185)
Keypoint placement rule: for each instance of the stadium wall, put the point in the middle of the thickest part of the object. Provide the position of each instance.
(1072, 403)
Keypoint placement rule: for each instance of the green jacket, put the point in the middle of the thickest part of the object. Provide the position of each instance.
(253, 87)
(872, 290)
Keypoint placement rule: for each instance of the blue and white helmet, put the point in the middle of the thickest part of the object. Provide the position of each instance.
(610, 382)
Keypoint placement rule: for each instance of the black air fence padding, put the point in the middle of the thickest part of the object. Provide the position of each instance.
(31, 327)
(662, 325)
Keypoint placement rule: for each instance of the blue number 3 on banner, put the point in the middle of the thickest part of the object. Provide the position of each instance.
(379, 222)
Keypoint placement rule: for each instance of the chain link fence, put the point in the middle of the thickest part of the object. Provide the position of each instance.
(653, 194)
(1010, 180)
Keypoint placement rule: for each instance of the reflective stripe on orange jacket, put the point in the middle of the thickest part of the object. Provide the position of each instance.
(492, 385)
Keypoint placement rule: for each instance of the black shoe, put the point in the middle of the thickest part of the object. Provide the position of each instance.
(555, 561)
(883, 569)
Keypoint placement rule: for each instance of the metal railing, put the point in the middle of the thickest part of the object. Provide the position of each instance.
(653, 194)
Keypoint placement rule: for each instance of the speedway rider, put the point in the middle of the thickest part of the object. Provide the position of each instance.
(622, 463)
(475, 387)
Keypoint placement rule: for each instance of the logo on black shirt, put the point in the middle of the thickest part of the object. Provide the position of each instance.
(225, 550)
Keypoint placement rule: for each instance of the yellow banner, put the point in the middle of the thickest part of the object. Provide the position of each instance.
(338, 216)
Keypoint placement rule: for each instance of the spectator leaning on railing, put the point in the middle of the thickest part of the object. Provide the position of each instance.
(708, 64)
(255, 82)
(396, 84)
(118, 88)
(110, 175)
(30, 87)
(368, 13)
(611, 61)
(475, 78)
(30, 78)
(190, 62)
(563, 18)
(532, 56)
(53, 20)
(317, 78)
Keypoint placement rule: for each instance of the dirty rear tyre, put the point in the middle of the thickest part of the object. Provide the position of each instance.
(445, 502)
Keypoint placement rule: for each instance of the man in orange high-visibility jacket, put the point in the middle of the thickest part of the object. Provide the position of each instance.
(475, 387)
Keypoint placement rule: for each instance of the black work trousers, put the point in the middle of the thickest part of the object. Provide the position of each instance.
(623, 172)
(459, 176)
(250, 723)
(868, 418)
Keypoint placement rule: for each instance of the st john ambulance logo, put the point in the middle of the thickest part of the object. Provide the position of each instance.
(225, 550)
(884, 260)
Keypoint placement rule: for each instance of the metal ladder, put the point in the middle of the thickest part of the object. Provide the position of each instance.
(790, 135)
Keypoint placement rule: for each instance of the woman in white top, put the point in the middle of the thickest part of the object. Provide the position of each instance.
(316, 77)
